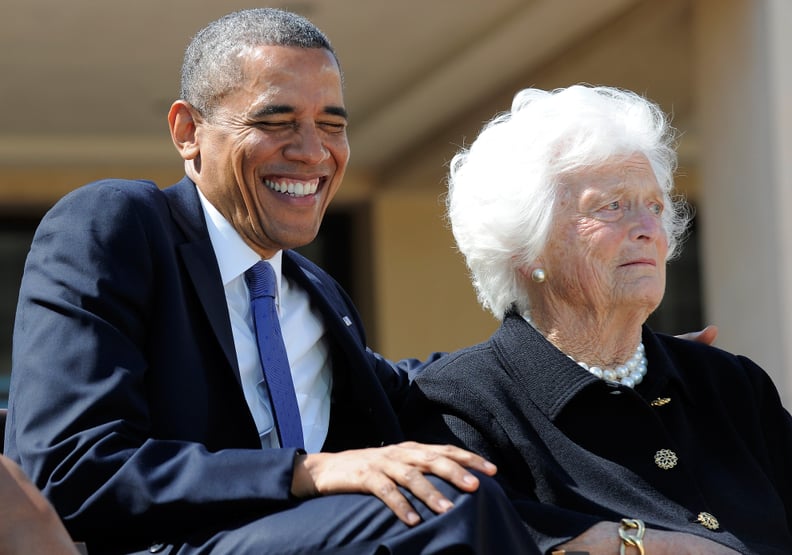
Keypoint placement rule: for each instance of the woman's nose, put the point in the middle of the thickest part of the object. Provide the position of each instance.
(647, 224)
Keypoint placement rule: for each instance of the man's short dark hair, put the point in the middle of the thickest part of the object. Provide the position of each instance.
(212, 66)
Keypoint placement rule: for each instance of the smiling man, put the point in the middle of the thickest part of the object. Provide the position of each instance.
(141, 399)
(271, 155)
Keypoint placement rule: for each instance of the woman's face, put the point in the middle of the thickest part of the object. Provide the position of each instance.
(607, 247)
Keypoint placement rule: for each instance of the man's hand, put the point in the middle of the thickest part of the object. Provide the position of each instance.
(379, 472)
(706, 336)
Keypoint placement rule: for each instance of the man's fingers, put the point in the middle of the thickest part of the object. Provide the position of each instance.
(402, 471)
(429, 455)
(447, 462)
(389, 494)
(706, 336)
(417, 483)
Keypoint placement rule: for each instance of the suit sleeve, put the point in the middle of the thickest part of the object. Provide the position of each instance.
(81, 403)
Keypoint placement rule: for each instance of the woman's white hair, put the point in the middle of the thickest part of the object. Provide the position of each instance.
(503, 188)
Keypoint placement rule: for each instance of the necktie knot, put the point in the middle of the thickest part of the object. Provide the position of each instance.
(260, 279)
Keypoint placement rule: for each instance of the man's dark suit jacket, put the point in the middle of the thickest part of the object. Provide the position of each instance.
(126, 406)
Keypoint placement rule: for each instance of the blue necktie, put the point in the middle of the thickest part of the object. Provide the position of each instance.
(261, 284)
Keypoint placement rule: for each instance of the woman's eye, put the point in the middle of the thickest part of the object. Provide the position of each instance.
(610, 212)
(656, 208)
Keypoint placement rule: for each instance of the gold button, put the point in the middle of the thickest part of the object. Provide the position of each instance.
(666, 459)
(708, 521)
(661, 401)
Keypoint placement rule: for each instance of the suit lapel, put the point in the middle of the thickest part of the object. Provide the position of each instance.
(327, 301)
(345, 329)
(201, 264)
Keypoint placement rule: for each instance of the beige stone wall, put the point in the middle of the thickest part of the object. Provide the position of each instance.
(744, 97)
(24, 187)
(424, 299)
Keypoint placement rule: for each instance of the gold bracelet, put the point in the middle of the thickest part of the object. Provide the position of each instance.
(629, 539)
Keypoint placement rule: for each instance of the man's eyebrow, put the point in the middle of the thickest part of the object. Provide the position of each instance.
(337, 111)
(273, 110)
(276, 109)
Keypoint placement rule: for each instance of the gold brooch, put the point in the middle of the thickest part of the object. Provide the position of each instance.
(660, 401)
(666, 459)
(708, 521)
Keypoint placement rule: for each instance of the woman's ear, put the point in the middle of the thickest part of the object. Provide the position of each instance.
(182, 120)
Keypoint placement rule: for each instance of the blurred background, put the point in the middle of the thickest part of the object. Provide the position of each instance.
(85, 86)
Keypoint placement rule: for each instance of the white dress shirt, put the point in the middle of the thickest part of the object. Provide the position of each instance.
(303, 334)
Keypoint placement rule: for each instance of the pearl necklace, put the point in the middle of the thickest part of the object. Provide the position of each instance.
(629, 374)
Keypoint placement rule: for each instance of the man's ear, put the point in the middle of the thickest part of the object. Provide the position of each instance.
(182, 120)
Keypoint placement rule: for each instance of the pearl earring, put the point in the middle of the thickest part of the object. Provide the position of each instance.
(538, 275)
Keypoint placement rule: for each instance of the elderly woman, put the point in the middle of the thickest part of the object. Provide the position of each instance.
(607, 436)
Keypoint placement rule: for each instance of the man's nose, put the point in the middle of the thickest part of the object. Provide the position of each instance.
(307, 146)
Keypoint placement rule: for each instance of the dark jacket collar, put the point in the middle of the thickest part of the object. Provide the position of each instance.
(551, 379)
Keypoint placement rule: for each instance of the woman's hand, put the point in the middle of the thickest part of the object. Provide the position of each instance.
(603, 539)
(379, 471)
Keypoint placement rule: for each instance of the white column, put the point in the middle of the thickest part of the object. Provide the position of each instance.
(744, 104)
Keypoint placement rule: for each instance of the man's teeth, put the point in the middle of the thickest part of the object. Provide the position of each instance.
(293, 188)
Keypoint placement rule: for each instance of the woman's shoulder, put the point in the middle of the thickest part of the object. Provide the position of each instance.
(461, 389)
(688, 349)
(710, 365)
(463, 364)
(467, 376)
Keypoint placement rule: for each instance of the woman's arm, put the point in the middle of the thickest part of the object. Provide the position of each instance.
(603, 539)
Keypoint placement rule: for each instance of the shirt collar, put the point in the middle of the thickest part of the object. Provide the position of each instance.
(234, 256)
